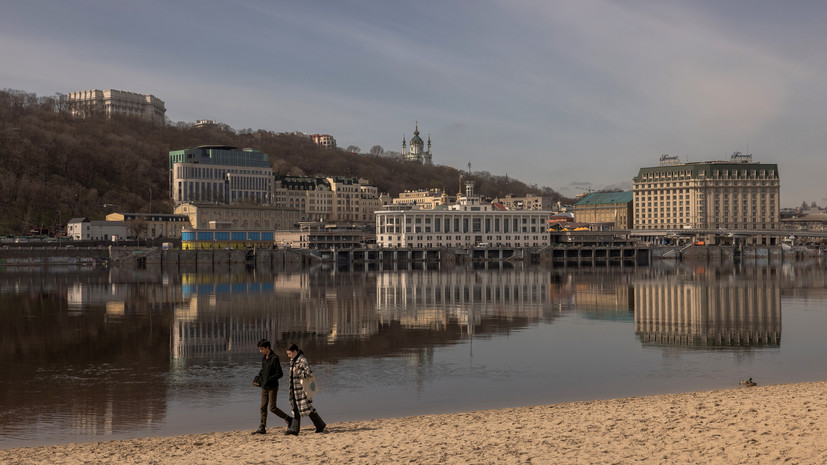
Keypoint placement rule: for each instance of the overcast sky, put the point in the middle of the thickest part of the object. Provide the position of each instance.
(573, 95)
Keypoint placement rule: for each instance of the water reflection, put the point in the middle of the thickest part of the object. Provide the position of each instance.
(710, 308)
(92, 353)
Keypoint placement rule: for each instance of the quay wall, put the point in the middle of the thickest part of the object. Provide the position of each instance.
(578, 256)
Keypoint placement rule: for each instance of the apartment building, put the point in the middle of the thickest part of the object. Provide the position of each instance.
(731, 195)
(526, 202)
(311, 196)
(220, 174)
(332, 199)
(117, 102)
(426, 199)
(468, 223)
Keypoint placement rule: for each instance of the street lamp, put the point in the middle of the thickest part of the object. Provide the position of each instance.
(150, 199)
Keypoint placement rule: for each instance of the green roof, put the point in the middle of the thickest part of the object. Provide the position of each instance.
(606, 198)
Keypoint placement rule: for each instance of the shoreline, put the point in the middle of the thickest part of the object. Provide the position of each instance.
(762, 424)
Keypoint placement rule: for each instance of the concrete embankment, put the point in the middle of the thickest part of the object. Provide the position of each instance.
(567, 256)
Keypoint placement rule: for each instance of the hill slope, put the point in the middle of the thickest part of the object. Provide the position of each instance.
(54, 167)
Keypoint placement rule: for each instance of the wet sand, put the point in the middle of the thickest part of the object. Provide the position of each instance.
(783, 423)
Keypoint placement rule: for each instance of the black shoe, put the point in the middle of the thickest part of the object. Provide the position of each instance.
(288, 420)
(295, 426)
(260, 430)
(317, 422)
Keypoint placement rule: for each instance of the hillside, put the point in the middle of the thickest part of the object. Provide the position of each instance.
(54, 167)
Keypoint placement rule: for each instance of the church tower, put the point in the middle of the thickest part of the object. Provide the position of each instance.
(416, 150)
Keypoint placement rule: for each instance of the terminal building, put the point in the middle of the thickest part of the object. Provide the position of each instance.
(468, 223)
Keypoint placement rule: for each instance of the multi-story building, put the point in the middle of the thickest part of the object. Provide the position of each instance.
(311, 196)
(425, 199)
(151, 225)
(117, 102)
(371, 202)
(468, 223)
(528, 202)
(238, 217)
(325, 141)
(333, 199)
(417, 150)
(220, 174)
(730, 195)
(612, 209)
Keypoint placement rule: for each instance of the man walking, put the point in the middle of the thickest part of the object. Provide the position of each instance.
(269, 379)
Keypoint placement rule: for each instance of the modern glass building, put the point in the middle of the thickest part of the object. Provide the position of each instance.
(220, 174)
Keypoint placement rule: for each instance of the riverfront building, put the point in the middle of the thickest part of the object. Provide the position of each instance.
(151, 225)
(729, 195)
(117, 102)
(220, 174)
(468, 223)
(610, 209)
(84, 229)
(238, 217)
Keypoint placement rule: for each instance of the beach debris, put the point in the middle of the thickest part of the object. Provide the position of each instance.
(747, 382)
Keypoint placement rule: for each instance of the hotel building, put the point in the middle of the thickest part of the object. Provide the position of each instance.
(117, 102)
(731, 195)
(466, 224)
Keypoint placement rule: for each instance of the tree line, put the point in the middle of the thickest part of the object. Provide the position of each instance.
(54, 167)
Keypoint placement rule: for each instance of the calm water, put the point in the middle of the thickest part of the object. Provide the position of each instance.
(94, 354)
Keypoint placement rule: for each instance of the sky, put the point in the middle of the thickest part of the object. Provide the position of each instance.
(575, 95)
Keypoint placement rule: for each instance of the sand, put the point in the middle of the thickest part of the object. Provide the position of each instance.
(764, 424)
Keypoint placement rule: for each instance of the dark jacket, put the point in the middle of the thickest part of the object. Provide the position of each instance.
(270, 371)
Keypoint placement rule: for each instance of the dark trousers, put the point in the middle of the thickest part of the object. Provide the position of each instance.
(268, 397)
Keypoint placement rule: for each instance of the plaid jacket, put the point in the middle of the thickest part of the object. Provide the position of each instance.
(299, 403)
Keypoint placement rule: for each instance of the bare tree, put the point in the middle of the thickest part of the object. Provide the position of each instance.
(377, 150)
(353, 148)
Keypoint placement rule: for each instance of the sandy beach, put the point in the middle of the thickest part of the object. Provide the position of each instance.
(764, 424)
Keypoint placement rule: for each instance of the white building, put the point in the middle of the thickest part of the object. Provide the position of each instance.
(95, 230)
(468, 223)
(117, 102)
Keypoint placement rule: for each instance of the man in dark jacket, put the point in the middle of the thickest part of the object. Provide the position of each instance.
(268, 377)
